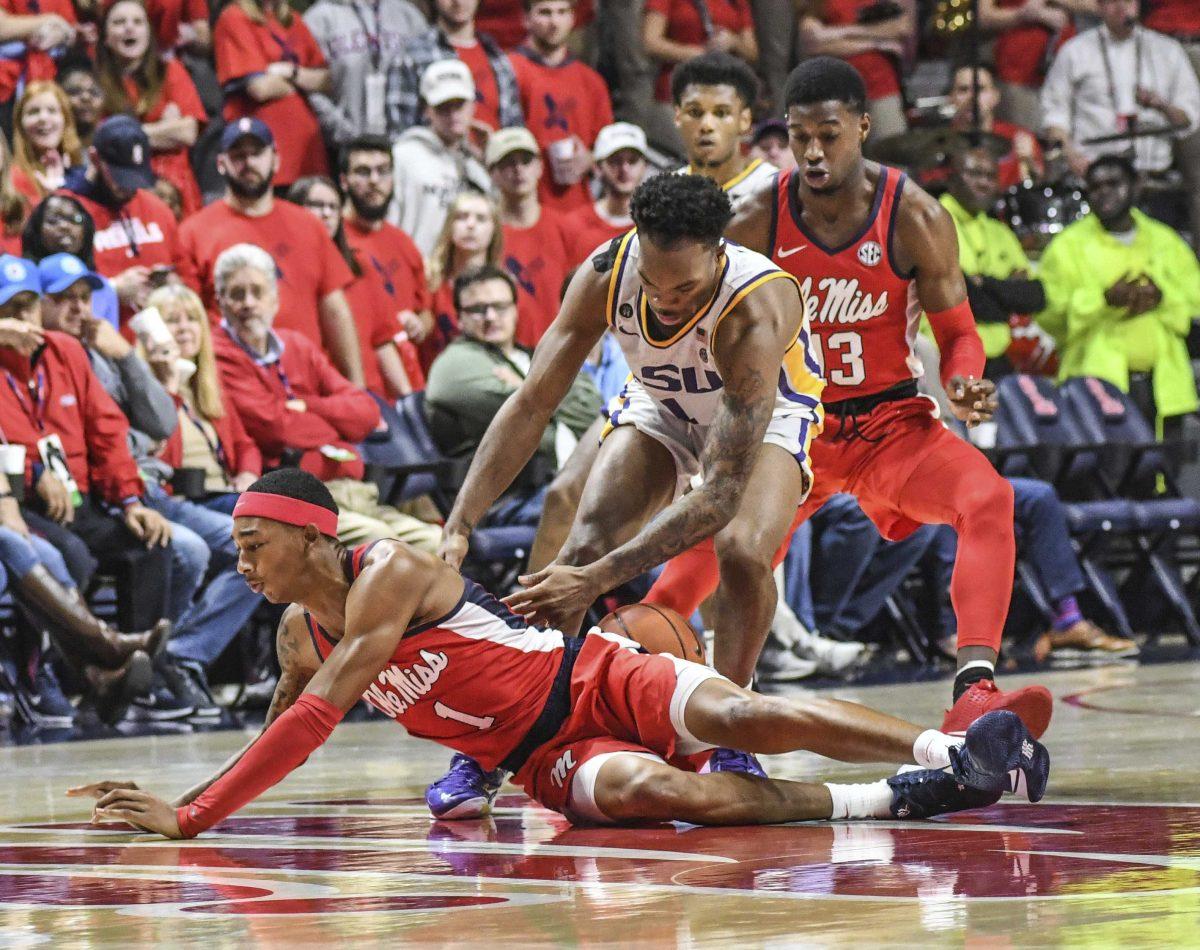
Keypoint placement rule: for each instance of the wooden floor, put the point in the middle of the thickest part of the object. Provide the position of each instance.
(344, 853)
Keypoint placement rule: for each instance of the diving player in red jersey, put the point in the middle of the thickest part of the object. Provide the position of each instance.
(872, 250)
(587, 724)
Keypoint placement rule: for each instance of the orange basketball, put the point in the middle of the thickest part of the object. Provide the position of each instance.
(658, 629)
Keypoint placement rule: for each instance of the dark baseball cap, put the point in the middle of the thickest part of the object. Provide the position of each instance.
(769, 127)
(247, 125)
(123, 147)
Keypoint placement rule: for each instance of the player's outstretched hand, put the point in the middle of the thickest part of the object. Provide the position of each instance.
(453, 549)
(553, 595)
(972, 400)
(138, 808)
(99, 789)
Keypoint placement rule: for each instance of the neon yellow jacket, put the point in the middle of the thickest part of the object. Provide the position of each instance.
(989, 248)
(1094, 339)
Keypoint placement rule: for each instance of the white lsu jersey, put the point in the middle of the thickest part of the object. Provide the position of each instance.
(678, 372)
(742, 185)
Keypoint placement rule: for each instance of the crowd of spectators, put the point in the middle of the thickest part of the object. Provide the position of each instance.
(235, 234)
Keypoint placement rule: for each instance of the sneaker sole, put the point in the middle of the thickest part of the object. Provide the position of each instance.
(160, 715)
(472, 808)
(1033, 705)
(1006, 746)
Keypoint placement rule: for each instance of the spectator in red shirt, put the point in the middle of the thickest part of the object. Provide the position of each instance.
(78, 469)
(14, 206)
(1024, 160)
(566, 102)
(39, 31)
(620, 156)
(180, 25)
(136, 239)
(535, 242)
(266, 61)
(374, 317)
(45, 143)
(1028, 34)
(292, 400)
(136, 80)
(872, 36)
(368, 182)
(77, 78)
(674, 31)
(311, 272)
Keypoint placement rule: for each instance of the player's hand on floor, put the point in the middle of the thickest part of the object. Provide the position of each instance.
(99, 789)
(972, 400)
(553, 595)
(138, 808)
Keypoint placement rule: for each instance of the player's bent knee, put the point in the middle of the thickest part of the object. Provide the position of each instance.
(631, 788)
(990, 498)
(743, 548)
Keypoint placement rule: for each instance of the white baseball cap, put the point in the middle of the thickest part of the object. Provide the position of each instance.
(619, 135)
(506, 141)
(445, 81)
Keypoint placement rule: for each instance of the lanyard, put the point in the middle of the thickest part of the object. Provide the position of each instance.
(287, 386)
(1108, 70)
(374, 39)
(37, 392)
(285, 47)
(217, 449)
(130, 233)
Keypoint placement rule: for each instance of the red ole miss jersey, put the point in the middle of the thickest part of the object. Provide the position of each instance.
(862, 312)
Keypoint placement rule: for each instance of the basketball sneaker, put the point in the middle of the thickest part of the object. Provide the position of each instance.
(731, 760)
(923, 793)
(1032, 703)
(466, 791)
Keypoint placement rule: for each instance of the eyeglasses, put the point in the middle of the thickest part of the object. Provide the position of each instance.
(482, 309)
(322, 205)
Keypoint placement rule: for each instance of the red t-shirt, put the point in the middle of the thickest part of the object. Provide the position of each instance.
(174, 164)
(585, 231)
(308, 265)
(243, 49)
(395, 258)
(375, 322)
(167, 15)
(33, 64)
(538, 261)
(143, 232)
(685, 26)
(487, 93)
(504, 20)
(1021, 51)
(561, 101)
(878, 70)
(25, 184)
(1180, 17)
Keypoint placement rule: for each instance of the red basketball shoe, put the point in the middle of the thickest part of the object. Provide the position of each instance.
(1032, 703)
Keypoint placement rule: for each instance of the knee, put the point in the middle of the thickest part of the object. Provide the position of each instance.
(562, 497)
(649, 794)
(988, 499)
(587, 543)
(744, 549)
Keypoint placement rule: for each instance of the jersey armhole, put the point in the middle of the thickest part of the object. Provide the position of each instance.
(616, 273)
(893, 218)
(753, 284)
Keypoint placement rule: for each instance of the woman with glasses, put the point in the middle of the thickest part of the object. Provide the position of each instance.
(60, 224)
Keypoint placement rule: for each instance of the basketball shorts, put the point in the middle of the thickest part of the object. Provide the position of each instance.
(623, 703)
(793, 430)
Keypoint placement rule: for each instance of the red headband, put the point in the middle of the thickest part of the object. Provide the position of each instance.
(253, 504)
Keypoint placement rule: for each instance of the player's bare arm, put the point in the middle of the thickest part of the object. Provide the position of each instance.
(516, 431)
(748, 352)
(927, 242)
(298, 661)
(751, 224)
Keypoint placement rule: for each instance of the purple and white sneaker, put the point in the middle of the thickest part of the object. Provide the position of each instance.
(466, 791)
(731, 760)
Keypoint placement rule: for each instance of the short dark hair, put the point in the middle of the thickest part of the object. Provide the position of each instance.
(478, 275)
(669, 208)
(362, 143)
(825, 79)
(296, 483)
(715, 69)
(1122, 163)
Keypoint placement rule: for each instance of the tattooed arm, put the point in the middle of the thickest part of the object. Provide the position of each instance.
(748, 352)
(298, 663)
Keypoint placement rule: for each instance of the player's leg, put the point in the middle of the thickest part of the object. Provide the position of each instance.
(562, 498)
(744, 602)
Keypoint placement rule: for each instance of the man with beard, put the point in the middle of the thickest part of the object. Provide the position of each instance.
(135, 231)
(367, 180)
(311, 273)
(620, 156)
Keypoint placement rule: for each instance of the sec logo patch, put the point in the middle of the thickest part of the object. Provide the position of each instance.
(870, 253)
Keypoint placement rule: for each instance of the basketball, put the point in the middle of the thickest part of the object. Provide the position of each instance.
(658, 629)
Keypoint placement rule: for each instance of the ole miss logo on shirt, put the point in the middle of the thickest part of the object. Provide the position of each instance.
(840, 300)
(118, 234)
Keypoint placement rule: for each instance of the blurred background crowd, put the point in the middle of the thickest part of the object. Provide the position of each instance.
(242, 235)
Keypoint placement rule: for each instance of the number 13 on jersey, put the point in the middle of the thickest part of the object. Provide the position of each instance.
(842, 356)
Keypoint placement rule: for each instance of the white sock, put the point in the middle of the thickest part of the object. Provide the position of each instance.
(986, 664)
(868, 800)
(932, 749)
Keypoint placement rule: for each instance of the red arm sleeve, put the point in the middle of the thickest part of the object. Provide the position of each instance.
(236, 46)
(285, 746)
(329, 395)
(958, 341)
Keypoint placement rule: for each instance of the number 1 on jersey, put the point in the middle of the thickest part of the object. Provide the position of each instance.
(445, 712)
(848, 347)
